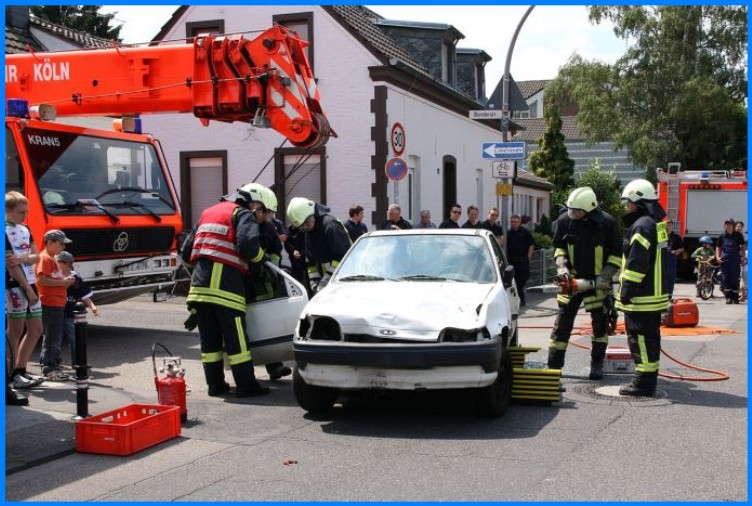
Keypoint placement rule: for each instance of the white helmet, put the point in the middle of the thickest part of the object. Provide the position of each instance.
(582, 198)
(299, 209)
(639, 189)
(260, 193)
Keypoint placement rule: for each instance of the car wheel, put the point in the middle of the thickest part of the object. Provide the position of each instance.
(312, 398)
(494, 399)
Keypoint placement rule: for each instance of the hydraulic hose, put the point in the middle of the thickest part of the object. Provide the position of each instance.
(719, 375)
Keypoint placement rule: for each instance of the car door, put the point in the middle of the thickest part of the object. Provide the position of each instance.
(509, 287)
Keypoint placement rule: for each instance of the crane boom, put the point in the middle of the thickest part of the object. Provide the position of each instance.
(266, 81)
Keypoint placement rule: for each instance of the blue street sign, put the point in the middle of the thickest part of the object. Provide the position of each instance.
(504, 150)
(396, 169)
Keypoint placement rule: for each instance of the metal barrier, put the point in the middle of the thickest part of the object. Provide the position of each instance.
(542, 267)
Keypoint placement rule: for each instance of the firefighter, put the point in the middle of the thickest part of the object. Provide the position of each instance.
(326, 239)
(643, 283)
(261, 282)
(730, 252)
(227, 240)
(586, 245)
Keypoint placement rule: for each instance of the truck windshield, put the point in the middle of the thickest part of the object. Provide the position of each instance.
(123, 177)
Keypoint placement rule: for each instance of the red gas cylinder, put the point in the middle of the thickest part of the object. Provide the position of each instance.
(171, 389)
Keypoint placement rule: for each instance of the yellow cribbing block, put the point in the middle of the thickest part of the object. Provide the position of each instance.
(537, 384)
(518, 354)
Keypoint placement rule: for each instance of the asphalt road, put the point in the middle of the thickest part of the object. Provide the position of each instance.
(688, 444)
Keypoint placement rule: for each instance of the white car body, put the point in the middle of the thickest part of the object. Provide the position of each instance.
(415, 329)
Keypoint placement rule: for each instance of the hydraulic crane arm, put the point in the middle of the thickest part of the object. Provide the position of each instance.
(266, 81)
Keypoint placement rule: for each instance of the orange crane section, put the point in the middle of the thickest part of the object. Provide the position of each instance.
(266, 81)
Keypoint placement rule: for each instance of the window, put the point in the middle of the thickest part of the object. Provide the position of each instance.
(299, 173)
(302, 24)
(215, 26)
(203, 179)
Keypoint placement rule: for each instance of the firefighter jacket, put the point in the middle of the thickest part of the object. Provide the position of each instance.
(326, 244)
(644, 276)
(227, 239)
(261, 280)
(588, 245)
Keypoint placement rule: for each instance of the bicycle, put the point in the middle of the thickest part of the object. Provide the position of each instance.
(709, 273)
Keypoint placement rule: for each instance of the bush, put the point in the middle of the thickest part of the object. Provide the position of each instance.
(542, 241)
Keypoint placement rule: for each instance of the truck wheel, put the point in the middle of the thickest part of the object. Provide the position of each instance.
(494, 399)
(312, 398)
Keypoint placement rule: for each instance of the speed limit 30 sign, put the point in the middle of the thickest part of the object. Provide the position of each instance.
(398, 139)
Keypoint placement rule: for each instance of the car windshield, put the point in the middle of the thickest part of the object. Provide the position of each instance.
(73, 171)
(419, 258)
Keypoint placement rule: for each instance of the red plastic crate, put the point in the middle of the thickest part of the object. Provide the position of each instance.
(127, 430)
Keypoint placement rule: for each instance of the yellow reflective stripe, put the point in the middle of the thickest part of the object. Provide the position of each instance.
(601, 339)
(598, 259)
(557, 345)
(642, 240)
(239, 358)
(643, 308)
(570, 254)
(216, 275)
(208, 358)
(335, 263)
(614, 260)
(559, 252)
(233, 297)
(259, 256)
(643, 348)
(633, 276)
(658, 272)
(266, 294)
(564, 299)
(661, 232)
(647, 367)
(275, 258)
(240, 329)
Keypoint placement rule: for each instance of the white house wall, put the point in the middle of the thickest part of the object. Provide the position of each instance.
(431, 133)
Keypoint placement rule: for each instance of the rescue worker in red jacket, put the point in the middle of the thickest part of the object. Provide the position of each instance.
(326, 239)
(587, 245)
(643, 293)
(261, 279)
(226, 243)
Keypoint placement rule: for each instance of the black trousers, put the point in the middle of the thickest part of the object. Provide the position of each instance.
(521, 275)
(565, 321)
(644, 339)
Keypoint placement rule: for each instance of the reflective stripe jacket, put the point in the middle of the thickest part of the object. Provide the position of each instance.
(588, 245)
(644, 274)
(326, 244)
(219, 275)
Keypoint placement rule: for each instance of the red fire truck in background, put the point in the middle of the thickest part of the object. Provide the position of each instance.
(111, 191)
(699, 202)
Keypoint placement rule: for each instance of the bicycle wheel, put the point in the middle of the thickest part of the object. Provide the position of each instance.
(706, 289)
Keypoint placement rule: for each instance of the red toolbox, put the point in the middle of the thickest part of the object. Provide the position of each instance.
(682, 313)
(127, 430)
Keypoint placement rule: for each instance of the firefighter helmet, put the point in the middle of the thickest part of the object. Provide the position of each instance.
(260, 193)
(299, 209)
(583, 199)
(639, 189)
(706, 240)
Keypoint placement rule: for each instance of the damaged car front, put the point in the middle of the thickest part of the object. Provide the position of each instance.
(411, 310)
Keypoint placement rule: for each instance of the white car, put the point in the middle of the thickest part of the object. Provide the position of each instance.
(411, 310)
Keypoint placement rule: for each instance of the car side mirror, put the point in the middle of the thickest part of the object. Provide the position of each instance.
(508, 278)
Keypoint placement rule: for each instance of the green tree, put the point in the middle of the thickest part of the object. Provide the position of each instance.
(606, 186)
(84, 18)
(552, 161)
(677, 94)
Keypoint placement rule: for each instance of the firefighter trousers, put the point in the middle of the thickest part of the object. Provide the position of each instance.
(565, 322)
(223, 330)
(644, 339)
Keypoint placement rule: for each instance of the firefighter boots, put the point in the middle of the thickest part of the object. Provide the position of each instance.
(556, 359)
(216, 390)
(278, 370)
(597, 354)
(642, 385)
(215, 378)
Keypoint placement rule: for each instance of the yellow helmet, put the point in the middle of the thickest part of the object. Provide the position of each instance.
(582, 198)
(639, 189)
(260, 193)
(299, 209)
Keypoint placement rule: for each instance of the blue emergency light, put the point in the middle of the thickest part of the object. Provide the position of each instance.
(18, 108)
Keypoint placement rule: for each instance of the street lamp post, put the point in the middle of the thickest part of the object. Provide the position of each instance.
(505, 107)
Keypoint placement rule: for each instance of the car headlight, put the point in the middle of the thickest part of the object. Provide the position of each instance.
(452, 335)
(319, 327)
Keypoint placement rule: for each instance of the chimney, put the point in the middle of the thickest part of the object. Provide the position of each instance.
(17, 16)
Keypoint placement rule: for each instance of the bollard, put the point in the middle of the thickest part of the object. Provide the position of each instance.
(80, 365)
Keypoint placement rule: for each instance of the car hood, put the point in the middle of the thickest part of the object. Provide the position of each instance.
(402, 310)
